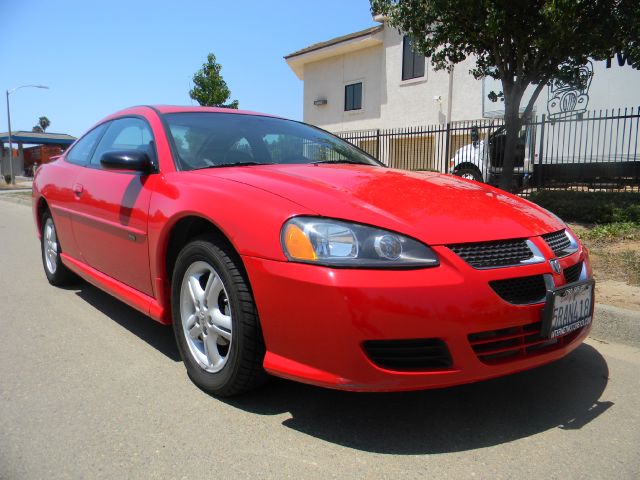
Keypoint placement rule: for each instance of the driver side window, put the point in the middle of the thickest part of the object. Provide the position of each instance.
(125, 134)
(81, 151)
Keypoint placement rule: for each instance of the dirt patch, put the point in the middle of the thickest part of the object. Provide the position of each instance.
(615, 260)
(618, 294)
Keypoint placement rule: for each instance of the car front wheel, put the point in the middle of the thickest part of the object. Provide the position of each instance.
(215, 320)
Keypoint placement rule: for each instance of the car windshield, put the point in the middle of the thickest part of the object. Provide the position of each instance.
(209, 140)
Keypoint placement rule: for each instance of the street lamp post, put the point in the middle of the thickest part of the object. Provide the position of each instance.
(9, 92)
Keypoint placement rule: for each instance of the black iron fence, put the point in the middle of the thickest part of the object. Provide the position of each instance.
(593, 150)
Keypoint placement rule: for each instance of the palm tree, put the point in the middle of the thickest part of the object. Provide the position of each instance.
(43, 124)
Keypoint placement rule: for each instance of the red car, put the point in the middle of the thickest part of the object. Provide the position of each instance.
(274, 247)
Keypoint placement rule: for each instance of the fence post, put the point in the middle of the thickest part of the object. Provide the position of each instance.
(446, 148)
(378, 144)
(541, 150)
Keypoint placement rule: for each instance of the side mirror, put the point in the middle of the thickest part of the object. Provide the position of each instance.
(131, 160)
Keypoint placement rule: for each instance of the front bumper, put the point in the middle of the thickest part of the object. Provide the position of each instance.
(315, 320)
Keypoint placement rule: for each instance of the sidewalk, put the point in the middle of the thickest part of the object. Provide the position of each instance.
(22, 183)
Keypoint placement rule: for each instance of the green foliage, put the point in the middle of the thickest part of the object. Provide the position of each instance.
(591, 207)
(629, 230)
(209, 88)
(518, 42)
(43, 124)
(7, 178)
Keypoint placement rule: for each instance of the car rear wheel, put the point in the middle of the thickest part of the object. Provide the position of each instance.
(215, 320)
(470, 173)
(56, 272)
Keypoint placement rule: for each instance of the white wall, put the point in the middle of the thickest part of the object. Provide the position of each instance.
(612, 86)
(388, 102)
(327, 79)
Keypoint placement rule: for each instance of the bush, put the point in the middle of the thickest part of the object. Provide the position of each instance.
(590, 207)
(7, 178)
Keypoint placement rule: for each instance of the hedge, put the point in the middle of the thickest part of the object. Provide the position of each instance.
(590, 207)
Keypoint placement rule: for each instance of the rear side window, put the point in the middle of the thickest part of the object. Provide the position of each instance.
(125, 134)
(82, 150)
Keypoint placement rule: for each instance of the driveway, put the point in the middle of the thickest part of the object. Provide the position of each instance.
(89, 388)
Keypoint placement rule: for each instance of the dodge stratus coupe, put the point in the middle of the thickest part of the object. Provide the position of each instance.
(274, 247)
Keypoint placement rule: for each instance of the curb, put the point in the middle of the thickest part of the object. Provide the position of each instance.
(616, 324)
(19, 201)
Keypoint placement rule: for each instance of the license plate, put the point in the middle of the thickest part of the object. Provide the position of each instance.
(568, 308)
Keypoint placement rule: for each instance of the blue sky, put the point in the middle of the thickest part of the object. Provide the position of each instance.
(100, 56)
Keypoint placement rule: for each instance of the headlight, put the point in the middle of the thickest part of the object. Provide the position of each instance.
(343, 244)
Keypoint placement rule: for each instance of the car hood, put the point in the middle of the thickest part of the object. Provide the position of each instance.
(435, 208)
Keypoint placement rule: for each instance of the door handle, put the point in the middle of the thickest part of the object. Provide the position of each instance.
(78, 189)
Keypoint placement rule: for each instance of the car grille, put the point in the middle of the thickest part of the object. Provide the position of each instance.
(508, 344)
(521, 290)
(572, 274)
(409, 355)
(558, 242)
(493, 254)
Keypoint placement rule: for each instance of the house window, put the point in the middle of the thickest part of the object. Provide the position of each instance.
(412, 62)
(353, 96)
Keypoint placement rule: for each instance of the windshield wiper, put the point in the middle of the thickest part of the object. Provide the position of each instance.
(353, 162)
(236, 164)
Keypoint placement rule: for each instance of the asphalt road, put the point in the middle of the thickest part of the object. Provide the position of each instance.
(89, 388)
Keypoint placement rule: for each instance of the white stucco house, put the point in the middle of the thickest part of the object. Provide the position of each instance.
(372, 80)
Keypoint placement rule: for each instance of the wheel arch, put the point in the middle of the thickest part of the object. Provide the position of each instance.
(41, 207)
(467, 164)
(186, 229)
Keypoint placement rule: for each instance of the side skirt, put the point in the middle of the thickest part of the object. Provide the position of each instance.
(132, 297)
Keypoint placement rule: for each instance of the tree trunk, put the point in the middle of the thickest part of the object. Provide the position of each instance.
(512, 125)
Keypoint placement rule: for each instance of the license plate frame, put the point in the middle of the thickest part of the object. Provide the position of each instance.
(558, 316)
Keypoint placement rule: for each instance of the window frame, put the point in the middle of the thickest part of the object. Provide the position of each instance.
(346, 87)
(104, 126)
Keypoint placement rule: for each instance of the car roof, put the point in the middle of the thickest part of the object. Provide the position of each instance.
(162, 109)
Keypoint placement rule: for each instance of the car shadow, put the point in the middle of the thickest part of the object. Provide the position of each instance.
(564, 394)
(153, 333)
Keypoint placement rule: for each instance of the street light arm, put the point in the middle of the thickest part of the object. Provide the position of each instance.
(9, 92)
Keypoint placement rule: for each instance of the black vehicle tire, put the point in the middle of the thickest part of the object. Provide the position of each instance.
(215, 319)
(57, 273)
(471, 173)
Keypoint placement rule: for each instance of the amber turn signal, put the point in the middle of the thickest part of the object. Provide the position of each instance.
(297, 244)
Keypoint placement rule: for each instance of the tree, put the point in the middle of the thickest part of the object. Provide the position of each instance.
(43, 124)
(522, 43)
(210, 89)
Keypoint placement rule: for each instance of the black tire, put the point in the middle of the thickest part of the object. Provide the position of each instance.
(57, 273)
(472, 173)
(242, 370)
